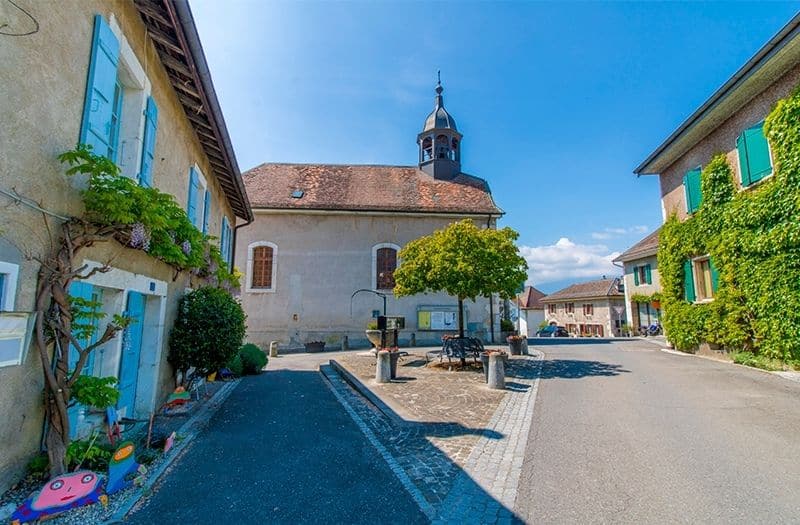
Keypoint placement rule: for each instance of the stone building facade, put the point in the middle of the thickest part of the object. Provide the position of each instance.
(324, 232)
(130, 79)
(592, 309)
(641, 278)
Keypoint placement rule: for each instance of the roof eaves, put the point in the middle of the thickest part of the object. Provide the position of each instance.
(775, 44)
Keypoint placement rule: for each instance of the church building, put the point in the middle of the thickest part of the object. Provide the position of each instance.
(323, 232)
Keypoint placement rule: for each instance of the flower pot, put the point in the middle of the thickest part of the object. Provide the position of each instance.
(515, 346)
(655, 304)
(315, 346)
(374, 337)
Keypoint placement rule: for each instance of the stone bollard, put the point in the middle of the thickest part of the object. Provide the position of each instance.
(497, 372)
(273, 349)
(383, 367)
(345, 343)
(525, 350)
(413, 341)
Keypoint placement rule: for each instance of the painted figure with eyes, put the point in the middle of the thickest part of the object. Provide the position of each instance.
(60, 494)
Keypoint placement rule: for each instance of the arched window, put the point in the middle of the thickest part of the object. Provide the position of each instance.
(384, 263)
(261, 266)
(427, 148)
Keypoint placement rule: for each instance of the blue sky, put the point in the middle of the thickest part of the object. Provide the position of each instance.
(558, 102)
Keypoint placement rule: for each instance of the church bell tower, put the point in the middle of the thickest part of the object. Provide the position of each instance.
(440, 142)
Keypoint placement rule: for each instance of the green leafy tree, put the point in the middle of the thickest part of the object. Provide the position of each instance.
(464, 261)
(208, 331)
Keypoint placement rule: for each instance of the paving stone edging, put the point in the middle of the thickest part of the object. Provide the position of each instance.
(189, 432)
(362, 389)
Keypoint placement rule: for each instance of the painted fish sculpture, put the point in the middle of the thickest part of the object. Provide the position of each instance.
(122, 465)
(60, 494)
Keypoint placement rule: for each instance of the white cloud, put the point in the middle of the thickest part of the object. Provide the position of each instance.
(565, 260)
(610, 233)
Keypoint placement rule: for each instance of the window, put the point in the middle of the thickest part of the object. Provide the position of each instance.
(198, 199)
(570, 308)
(119, 117)
(588, 310)
(8, 285)
(701, 279)
(384, 263)
(642, 275)
(551, 309)
(754, 158)
(261, 266)
(226, 241)
(692, 190)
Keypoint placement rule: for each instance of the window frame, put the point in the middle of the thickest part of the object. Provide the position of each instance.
(698, 278)
(569, 308)
(588, 309)
(249, 276)
(8, 295)
(374, 274)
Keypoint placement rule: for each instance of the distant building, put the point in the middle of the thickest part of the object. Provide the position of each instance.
(323, 232)
(594, 308)
(530, 310)
(641, 279)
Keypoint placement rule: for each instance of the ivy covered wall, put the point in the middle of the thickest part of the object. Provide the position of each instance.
(753, 240)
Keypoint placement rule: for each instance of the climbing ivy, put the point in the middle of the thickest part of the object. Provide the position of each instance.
(753, 238)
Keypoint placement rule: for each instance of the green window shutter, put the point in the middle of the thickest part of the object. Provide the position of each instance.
(744, 165)
(191, 206)
(636, 275)
(759, 164)
(98, 127)
(647, 274)
(714, 276)
(149, 143)
(694, 193)
(688, 281)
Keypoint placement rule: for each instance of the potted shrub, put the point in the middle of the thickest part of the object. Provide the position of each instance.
(515, 343)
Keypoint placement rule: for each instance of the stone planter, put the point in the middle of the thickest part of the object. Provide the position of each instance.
(374, 337)
(485, 363)
(315, 346)
(515, 346)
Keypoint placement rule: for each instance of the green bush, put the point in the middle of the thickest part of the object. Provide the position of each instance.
(507, 326)
(235, 365)
(88, 454)
(98, 392)
(39, 464)
(208, 331)
(757, 361)
(253, 359)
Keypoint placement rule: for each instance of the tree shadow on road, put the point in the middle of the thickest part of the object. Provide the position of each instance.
(577, 369)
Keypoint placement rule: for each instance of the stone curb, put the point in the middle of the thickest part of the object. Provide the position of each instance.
(366, 393)
(189, 431)
(330, 377)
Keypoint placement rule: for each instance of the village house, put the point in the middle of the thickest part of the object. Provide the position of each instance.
(323, 232)
(130, 79)
(592, 309)
(730, 121)
(530, 310)
(641, 282)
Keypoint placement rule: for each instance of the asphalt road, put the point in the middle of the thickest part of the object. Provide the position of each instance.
(280, 450)
(625, 433)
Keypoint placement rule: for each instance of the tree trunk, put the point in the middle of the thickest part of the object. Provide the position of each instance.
(460, 317)
(57, 438)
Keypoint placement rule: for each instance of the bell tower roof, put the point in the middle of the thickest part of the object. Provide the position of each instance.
(439, 117)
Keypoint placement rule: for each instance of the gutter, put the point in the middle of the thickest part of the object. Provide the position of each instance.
(189, 34)
(775, 44)
(235, 229)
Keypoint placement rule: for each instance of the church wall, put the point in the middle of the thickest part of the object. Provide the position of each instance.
(320, 260)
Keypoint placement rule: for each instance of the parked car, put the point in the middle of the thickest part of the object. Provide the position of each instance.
(552, 331)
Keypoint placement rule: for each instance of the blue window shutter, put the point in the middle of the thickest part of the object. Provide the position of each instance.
(97, 128)
(636, 275)
(149, 143)
(2, 289)
(84, 291)
(759, 164)
(223, 237)
(206, 206)
(191, 206)
(688, 281)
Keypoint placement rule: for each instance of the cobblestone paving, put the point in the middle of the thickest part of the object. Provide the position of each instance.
(460, 450)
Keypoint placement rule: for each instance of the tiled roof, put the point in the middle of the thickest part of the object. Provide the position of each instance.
(644, 248)
(531, 298)
(589, 290)
(365, 188)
